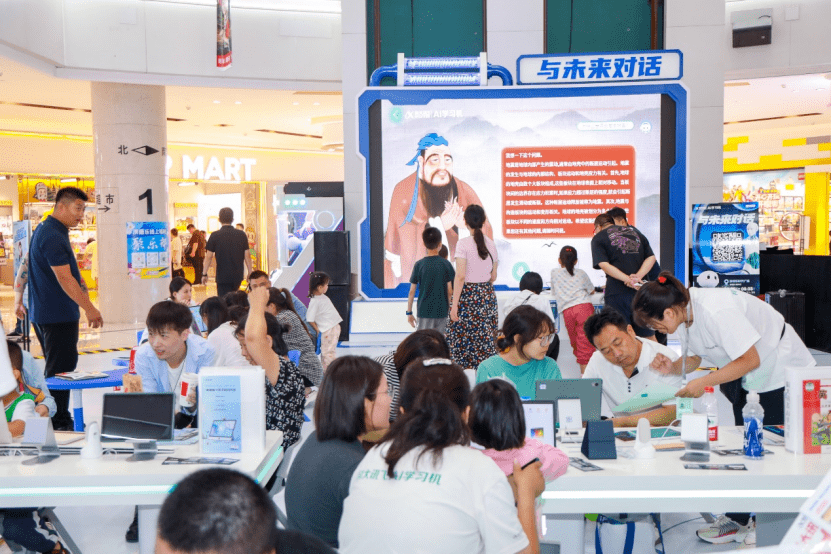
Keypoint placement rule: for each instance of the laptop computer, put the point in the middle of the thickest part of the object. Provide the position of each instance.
(197, 318)
(588, 391)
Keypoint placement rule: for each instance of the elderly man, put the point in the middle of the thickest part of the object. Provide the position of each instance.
(431, 196)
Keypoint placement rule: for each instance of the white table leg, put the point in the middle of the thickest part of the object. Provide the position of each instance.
(567, 530)
(148, 517)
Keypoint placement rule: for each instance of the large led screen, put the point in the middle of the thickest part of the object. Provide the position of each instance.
(543, 167)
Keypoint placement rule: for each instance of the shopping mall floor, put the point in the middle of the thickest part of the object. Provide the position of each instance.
(96, 528)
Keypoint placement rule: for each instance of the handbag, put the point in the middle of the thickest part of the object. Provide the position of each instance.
(627, 537)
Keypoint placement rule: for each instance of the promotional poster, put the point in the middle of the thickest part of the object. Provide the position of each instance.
(148, 256)
(223, 34)
(725, 246)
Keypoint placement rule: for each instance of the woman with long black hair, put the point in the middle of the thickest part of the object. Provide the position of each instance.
(455, 498)
(473, 314)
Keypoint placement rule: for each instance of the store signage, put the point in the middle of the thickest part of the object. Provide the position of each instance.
(603, 67)
(227, 171)
(106, 200)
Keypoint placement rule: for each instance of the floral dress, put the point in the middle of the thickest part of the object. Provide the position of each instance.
(284, 403)
(471, 339)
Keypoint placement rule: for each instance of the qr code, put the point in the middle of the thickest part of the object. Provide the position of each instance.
(727, 247)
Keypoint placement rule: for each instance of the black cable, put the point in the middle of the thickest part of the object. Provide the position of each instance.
(665, 531)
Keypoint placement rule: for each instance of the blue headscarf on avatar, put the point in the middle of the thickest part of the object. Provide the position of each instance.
(431, 139)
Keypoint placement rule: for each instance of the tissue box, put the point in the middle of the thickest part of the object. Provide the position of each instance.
(808, 410)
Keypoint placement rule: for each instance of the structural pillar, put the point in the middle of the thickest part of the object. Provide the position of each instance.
(129, 128)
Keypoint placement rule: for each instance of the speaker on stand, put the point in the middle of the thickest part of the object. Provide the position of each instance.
(332, 257)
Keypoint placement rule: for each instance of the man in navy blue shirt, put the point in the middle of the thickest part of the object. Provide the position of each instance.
(56, 291)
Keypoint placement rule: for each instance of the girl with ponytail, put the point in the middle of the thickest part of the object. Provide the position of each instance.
(572, 288)
(745, 337)
(458, 500)
(473, 312)
(297, 337)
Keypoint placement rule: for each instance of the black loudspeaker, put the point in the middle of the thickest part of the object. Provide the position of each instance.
(339, 295)
(599, 441)
(754, 36)
(792, 307)
(332, 256)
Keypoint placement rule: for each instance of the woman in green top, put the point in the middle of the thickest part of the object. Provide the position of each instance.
(522, 345)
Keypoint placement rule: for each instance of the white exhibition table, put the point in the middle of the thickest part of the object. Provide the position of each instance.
(780, 483)
(113, 481)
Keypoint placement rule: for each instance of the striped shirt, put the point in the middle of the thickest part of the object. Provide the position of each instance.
(388, 363)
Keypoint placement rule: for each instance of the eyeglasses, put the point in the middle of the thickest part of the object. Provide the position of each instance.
(545, 340)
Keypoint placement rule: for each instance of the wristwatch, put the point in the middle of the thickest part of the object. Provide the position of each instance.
(408, 313)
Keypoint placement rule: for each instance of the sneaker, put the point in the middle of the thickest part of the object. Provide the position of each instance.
(723, 530)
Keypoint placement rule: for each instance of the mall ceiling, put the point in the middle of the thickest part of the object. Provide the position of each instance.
(31, 101)
(778, 102)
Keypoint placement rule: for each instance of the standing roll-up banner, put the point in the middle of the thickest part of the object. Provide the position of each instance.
(725, 246)
(223, 34)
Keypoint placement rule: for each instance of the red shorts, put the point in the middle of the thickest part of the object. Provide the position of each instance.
(574, 318)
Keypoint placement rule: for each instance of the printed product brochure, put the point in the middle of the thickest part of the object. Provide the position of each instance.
(221, 406)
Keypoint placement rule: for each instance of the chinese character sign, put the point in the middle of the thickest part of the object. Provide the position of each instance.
(556, 69)
(725, 246)
(557, 191)
(147, 250)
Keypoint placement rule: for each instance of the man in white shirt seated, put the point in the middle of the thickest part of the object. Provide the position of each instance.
(626, 364)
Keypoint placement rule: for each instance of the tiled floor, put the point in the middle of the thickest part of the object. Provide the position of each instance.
(101, 529)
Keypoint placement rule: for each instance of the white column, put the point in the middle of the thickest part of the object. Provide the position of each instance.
(696, 27)
(128, 122)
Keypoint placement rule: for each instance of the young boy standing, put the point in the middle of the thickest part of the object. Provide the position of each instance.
(433, 275)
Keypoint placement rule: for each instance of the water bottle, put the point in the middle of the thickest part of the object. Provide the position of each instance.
(711, 409)
(753, 415)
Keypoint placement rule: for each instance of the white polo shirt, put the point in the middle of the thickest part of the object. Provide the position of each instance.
(727, 322)
(617, 388)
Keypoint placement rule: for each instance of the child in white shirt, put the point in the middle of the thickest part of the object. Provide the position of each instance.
(323, 316)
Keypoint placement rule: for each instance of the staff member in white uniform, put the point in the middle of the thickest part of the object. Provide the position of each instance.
(745, 337)
(623, 361)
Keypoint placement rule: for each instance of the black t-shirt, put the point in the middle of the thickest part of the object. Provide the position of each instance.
(230, 246)
(317, 485)
(431, 274)
(623, 247)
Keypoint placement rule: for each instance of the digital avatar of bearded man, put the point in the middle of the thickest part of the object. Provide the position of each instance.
(431, 196)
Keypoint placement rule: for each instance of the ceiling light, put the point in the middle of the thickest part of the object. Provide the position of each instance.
(4, 177)
(70, 180)
(317, 103)
(295, 103)
(188, 183)
(237, 102)
(216, 101)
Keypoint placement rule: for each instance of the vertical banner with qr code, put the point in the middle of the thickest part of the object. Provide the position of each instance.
(148, 256)
(725, 246)
(223, 34)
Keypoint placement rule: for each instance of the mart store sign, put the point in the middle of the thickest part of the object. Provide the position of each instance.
(211, 168)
